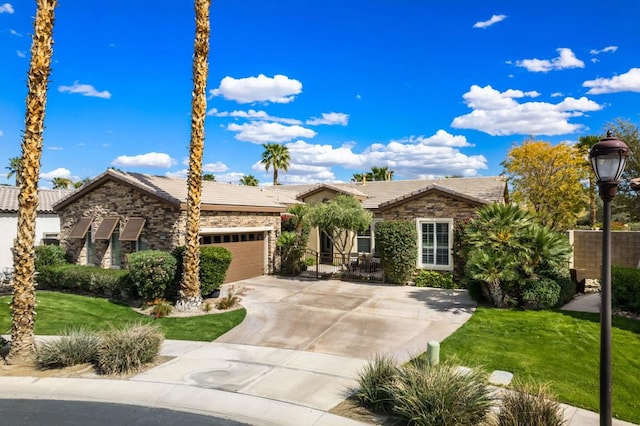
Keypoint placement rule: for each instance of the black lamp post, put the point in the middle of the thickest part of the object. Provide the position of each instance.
(608, 158)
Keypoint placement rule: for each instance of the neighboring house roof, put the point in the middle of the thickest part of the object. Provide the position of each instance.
(382, 194)
(46, 198)
(215, 195)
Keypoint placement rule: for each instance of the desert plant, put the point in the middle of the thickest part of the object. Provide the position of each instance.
(426, 278)
(75, 346)
(232, 298)
(527, 404)
(396, 242)
(374, 382)
(151, 271)
(160, 308)
(541, 294)
(49, 255)
(126, 349)
(441, 394)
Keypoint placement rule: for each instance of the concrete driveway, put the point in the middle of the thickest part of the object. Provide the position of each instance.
(355, 320)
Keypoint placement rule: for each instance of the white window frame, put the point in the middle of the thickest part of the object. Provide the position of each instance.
(372, 237)
(426, 220)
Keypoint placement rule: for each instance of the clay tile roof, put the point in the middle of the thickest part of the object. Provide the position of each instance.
(46, 198)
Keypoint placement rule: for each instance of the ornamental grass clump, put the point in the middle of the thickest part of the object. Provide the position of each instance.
(127, 349)
(528, 404)
(75, 346)
(374, 382)
(440, 395)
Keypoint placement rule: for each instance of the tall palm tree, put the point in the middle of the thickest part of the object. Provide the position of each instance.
(585, 143)
(249, 180)
(23, 303)
(62, 183)
(381, 173)
(190, 295)
(15, 164)
(277, 156)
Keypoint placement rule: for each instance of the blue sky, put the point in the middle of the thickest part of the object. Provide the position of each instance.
(426, 88)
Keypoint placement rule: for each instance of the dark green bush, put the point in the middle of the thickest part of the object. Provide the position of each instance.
(396, 242)
(541, 294)
(214, 264)
(567, 290)
(625, 289)
(83, 279)
(151, 271)
(49, 255)
(435, 279)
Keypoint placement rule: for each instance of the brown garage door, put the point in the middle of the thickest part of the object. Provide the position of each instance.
(247, 253)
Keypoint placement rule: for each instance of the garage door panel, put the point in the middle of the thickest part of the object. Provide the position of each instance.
(247, 259)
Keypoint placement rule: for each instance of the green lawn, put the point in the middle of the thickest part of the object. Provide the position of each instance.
(56, 312)
(562, 348)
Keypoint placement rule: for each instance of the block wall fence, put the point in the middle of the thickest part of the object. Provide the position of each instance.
(587, 250)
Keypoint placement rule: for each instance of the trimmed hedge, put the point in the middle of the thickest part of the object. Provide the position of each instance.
(625, 289)
(151, 271)
(396, 241)
(435, 279)
(214, 263)
(49, 255)
(83, 279)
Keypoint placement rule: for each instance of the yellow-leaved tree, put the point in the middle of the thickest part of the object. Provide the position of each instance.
(547, 179)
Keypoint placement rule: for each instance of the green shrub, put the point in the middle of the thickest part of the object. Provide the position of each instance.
(440, 395)
(160, 308)
(541, 294)
(214, 264)
(83, 279)
(151, 271)
(529, 405)
(49, 255)
(127, 349)
(76, 346)
(427, 278)
(567, 290)
(396, 242)
(625, 289)
(374, 382)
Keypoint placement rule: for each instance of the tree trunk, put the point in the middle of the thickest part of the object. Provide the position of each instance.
(23, 303)
(190, 295)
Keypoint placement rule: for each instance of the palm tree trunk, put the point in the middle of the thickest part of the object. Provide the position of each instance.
(190, 295)
(23, 303)
(275, 176)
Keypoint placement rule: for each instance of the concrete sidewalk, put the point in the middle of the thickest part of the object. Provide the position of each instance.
(294, 357)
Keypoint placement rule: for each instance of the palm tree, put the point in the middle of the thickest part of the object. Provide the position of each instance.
(15, 164)
(81, 183)
(209, 177)
(360, 177)
(249, 180)
(23, 303)
(585, 143)
(277, 156)
(381, 173)
(190, 295)
(62, 183)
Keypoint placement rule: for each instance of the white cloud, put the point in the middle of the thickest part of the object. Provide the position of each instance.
(1, 133)
(216, 167)
(55, 148)
(557, 94)
(252, 115)
(178, 174)
(14, 33)
(627, 82)
(59, 172)
(263, 132)
(493, 20)
(330, 118)
(279, 89)
(150, 159)
(21, 54)
(84, 90)
(498, 113)
(6, 8)
(566, 59)
(608, 49)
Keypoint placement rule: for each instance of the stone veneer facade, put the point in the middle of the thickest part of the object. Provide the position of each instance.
(432, 205)
(164, 227)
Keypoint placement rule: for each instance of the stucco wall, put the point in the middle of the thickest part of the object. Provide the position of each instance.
(9, 227)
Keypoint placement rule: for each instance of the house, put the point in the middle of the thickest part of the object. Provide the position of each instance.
(118, 213)
(47, 221)
(434, 205)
